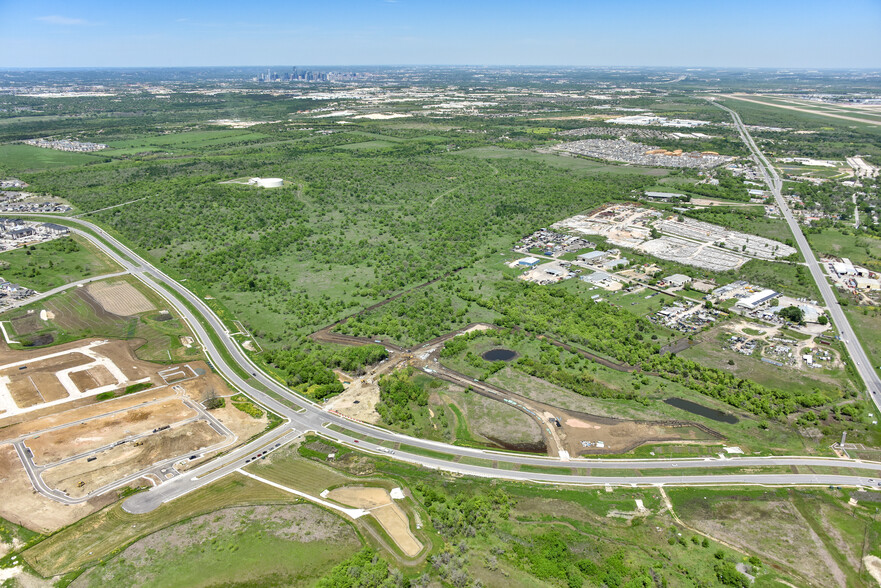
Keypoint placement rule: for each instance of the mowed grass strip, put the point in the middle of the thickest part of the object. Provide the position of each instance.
(285, 467)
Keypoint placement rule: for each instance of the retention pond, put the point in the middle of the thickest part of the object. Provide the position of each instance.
(499, 355)
(701, 410)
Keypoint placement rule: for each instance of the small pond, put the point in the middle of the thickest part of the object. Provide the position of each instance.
(499, 355)
(701, 410)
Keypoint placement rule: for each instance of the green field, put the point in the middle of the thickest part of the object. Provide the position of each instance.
(78, 316)
(860, 248)
(575, 164)
(21, 158)
(187, 141)
(265, 545)
(55, 263)
(789, 519)
(104, 534)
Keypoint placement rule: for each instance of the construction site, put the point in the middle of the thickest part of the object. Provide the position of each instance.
(681, 239)
(84, 420)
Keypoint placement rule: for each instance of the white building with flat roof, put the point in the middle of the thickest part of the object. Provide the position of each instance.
(755, 300)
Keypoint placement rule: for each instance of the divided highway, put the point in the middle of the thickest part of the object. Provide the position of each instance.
(848, 337)
(303, 415)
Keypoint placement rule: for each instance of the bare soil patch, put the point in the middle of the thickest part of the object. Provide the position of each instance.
(123, 460)
(873, 564)
(59, 444)
(92, 378)
(21, 504)
(21, 426)
(391, 516)
(359, 399)
(24, 392)
(119, 298)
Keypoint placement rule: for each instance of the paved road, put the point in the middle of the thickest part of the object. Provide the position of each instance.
(852, 344)
(303, 415)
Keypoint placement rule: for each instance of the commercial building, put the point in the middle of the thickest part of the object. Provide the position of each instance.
(528, 262)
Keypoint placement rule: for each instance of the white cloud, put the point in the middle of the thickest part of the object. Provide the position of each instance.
(62, 20)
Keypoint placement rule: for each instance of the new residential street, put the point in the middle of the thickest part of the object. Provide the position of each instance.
(302, 416)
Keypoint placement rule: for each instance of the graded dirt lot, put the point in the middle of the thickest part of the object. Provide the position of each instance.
(59, 444)
(391, 516)
(619, 436)
(61, 431)
(25, 425)
(359, 399)
(66, 372)
(123, 460)
(21, 504)
(119, 298)
(92, 378)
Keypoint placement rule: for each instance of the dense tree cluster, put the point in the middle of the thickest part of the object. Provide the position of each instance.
(310, 372)
(461, 514)
(365, 569)
(396, 392)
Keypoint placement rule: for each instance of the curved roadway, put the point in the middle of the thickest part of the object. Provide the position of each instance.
(308, 416)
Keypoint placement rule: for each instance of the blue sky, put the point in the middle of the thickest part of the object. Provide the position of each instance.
(769, 33)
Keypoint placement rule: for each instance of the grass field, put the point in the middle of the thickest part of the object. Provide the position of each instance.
(811, 533)
(187, 141)
(576, 164)
(78, 316)
(20, 158)
(105, 533)
(55, 263)
(265, 545)
(861, 249)
(285, 467)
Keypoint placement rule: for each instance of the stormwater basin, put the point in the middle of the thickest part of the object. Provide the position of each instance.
(499, 355)
(701, 410)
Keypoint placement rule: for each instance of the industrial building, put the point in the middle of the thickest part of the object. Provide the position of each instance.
(757, 299)
(592, 256)
(528, 262)
(677, 280)
(663, 195)
(613, 264)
